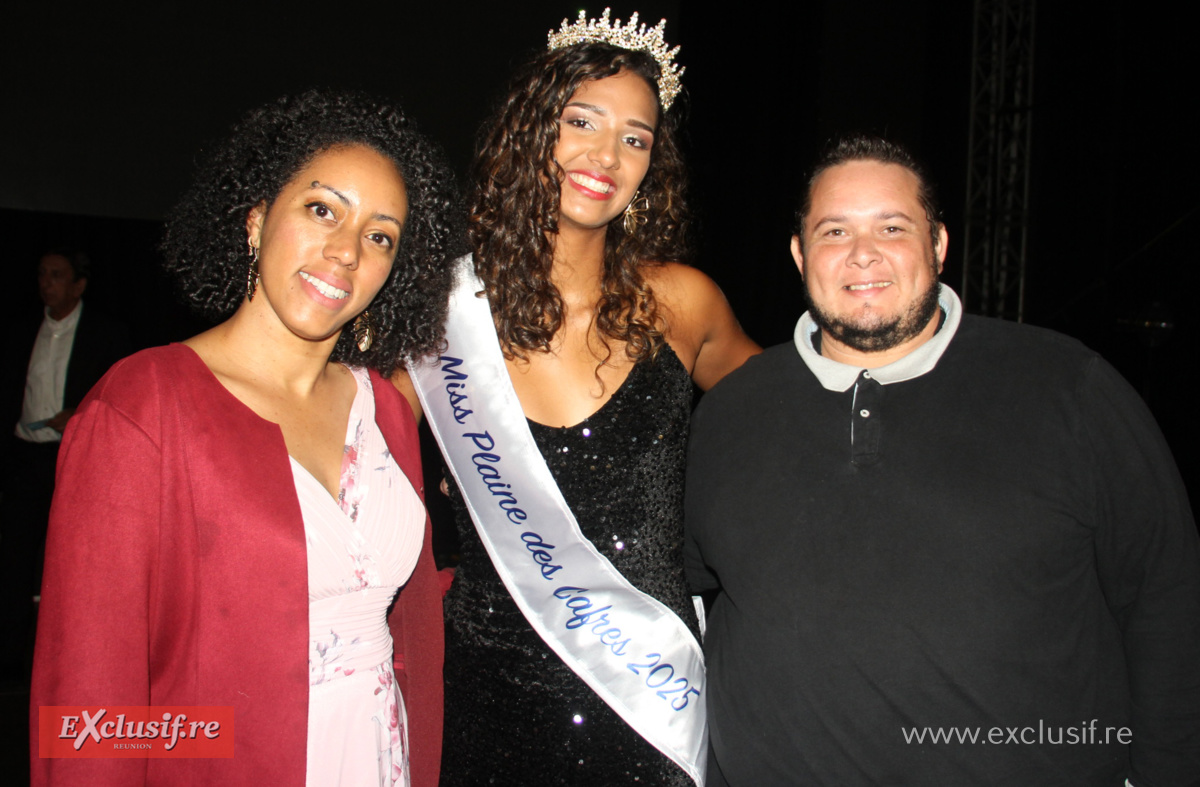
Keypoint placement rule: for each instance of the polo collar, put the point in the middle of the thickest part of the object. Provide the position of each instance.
(836, 376)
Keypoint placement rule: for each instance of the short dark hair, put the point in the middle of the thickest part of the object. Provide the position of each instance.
(864, 147)
(81, 264)
(206, 244)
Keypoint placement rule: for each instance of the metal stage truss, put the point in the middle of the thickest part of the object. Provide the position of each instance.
(998, 159)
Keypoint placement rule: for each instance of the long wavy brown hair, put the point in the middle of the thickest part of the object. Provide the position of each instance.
(515, 205)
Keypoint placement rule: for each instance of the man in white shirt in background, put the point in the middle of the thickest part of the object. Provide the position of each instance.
(48, 377)
(61, 283)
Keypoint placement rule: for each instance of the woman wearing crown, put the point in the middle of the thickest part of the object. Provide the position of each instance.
(562, 405)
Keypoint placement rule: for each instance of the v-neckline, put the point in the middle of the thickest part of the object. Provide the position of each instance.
(635, 369)
(337, 499)
(358, 390)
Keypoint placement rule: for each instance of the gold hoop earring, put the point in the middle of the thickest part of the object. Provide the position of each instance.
(252, 272)
(634, 211)
(364, 331)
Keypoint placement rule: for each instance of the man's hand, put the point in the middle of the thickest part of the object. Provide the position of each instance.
(59, 422)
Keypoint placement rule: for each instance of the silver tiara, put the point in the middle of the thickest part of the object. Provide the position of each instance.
(631, 37)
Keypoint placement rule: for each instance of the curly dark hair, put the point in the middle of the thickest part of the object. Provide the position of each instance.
(205, 242)
(515, 203)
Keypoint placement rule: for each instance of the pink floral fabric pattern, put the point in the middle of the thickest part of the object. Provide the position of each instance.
(392, 726)
(362, 547)
(351, 493)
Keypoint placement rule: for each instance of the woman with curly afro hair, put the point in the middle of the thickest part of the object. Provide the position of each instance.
(578, 226)
(238, 521)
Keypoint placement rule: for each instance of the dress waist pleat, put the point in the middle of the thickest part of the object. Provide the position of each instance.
(350, 633)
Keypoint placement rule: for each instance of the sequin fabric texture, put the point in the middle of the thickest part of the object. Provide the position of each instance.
(515, 714)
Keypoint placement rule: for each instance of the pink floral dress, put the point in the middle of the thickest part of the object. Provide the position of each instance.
(361, 548)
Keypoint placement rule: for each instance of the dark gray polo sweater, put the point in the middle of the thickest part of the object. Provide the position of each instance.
(994, 542)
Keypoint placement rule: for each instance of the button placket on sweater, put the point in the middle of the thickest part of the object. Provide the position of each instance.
(866, 424)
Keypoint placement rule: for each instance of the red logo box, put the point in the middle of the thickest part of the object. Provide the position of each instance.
(135, 731)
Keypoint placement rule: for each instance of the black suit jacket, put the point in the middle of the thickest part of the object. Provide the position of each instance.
(99, 343)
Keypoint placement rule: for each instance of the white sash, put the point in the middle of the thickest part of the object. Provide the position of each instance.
(633, 651)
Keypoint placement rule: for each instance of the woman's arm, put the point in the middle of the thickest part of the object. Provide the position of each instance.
(700, 325)
(93, 641)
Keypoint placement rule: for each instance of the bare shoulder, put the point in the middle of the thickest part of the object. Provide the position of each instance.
(700, 325)
(682, 288)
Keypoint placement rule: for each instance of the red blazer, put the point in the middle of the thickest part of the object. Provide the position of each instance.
(176, 573)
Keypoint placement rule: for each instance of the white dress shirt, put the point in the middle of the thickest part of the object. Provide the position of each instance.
(47, 377)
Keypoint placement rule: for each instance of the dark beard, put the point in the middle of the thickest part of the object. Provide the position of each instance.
(881, 336)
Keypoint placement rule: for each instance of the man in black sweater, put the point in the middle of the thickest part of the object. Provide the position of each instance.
(946, 550)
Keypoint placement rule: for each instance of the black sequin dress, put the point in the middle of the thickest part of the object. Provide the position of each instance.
(515, 713)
